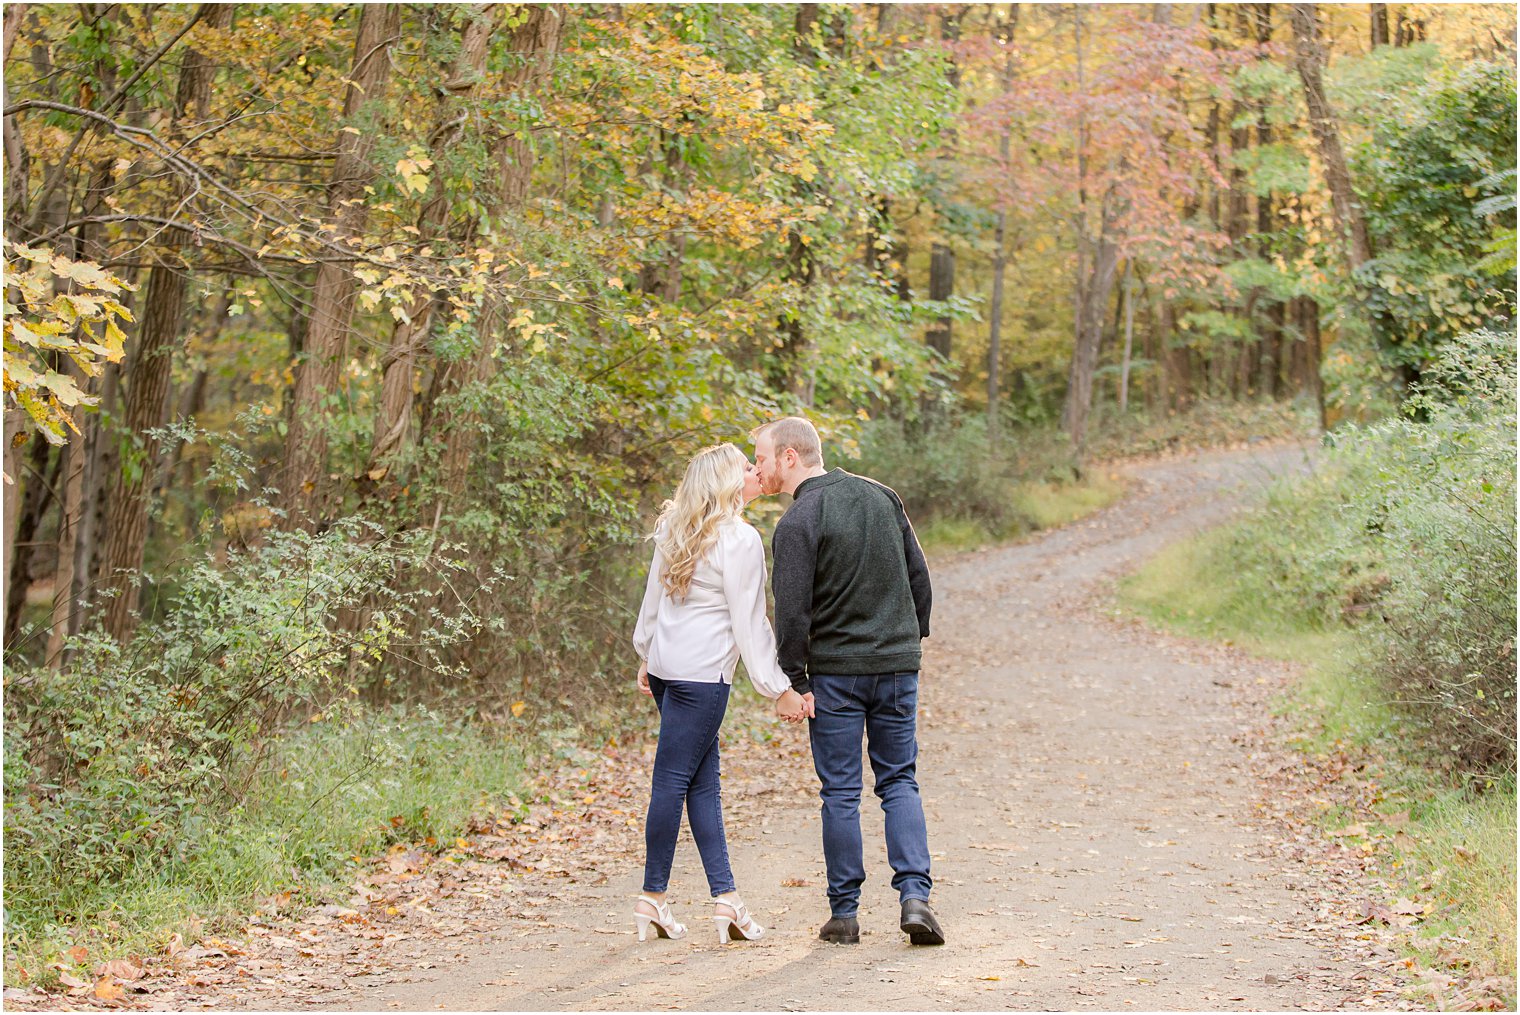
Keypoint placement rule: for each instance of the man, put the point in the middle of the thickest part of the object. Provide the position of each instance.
(852, 604)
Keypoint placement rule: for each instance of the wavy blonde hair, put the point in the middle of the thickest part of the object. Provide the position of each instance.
(711, 492)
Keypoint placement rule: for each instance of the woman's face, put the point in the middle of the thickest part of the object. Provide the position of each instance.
(751, 482)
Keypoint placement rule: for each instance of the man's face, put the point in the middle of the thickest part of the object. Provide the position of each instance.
(766, 466)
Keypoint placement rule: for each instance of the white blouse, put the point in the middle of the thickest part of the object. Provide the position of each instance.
(722, 617)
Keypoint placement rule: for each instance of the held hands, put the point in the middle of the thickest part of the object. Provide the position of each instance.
(644, 678)
(793, 707)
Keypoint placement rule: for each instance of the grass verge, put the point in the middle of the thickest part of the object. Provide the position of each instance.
(1035, 506)
(1453, 844)
(333, 793)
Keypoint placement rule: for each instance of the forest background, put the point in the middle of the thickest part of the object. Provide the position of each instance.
(349, 350)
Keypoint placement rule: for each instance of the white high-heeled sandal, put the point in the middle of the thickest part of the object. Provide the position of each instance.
(739, 927)
(663, 921)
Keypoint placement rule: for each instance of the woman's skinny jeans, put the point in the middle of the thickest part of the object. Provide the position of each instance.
(686, 772)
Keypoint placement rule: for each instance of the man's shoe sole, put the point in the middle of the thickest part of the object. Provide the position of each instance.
(920, 933)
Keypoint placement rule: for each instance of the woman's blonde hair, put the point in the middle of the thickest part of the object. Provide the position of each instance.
(711, 493)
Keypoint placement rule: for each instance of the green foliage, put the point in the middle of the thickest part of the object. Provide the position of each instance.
(1434, 182)
(949, 470)
(328, 792)
(1407, 535)
(127, 752)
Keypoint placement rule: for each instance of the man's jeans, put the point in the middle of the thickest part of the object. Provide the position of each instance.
(884, 708)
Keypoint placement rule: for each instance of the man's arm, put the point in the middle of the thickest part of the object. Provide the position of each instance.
(918, 569)
(795, 548)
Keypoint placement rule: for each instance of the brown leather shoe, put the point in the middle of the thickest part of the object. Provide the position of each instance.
(841, 930)
(919, 924)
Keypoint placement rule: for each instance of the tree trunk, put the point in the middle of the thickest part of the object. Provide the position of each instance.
(801, 267)
(152, 360)
(1128, 290)
(1239, 223)
(1309, 58)
(941, 254)
(1270, 346)
(1005, 32)
(1379, 24)
(535, 43)
(1089, 338)
(941, 287)
(14, 431)
(37, 493)
(1314, 354)
(303, 486)
(70, 519)
(393, 416)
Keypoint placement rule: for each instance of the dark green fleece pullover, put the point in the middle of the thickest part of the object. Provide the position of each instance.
(851, 584)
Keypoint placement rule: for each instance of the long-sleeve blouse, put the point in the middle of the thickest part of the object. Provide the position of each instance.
(702, 635)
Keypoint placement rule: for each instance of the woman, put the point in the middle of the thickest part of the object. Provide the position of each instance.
(704, 607)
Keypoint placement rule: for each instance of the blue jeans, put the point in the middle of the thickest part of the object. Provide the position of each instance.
(686, 773)
(885, 709)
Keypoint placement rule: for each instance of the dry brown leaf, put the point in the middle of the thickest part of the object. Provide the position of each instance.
(122, 969)
(107, 989)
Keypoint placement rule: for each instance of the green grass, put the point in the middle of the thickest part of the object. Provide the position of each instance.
(1049, 505)
(1036, 506)
(329, 795)
(1461, 840)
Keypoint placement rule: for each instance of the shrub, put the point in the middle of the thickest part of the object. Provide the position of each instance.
(1408, 533)
(954, 471)
(1438, 497)
(119, 758)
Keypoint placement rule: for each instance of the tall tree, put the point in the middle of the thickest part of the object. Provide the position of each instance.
(304, 488)
(941, 253)
(532, 47)
(1379, 19)
(1006, 32)
(147, 386)
(393, 414)
(1309, 60)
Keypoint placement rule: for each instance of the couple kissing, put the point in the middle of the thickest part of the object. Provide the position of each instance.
(852, 602)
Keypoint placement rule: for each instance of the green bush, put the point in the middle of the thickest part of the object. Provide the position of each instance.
(1407, 532)
(954, 472)
(123, 758)
(327, 792)
(1437, 497)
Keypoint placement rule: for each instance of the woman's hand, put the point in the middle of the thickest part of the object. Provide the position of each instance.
(791, 706)
(644, 677)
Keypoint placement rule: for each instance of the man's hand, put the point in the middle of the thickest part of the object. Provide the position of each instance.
(644, 677)
(807, 699)
(791, 706)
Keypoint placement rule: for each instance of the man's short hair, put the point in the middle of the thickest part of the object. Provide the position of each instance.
(796, 433)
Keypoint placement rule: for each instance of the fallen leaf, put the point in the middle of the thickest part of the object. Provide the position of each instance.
(107, 989)
(122, 969)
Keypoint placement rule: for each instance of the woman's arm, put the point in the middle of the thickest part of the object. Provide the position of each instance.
(744, 589)
(643, 631)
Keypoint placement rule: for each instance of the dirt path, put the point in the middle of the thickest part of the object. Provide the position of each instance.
(1095, 813)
